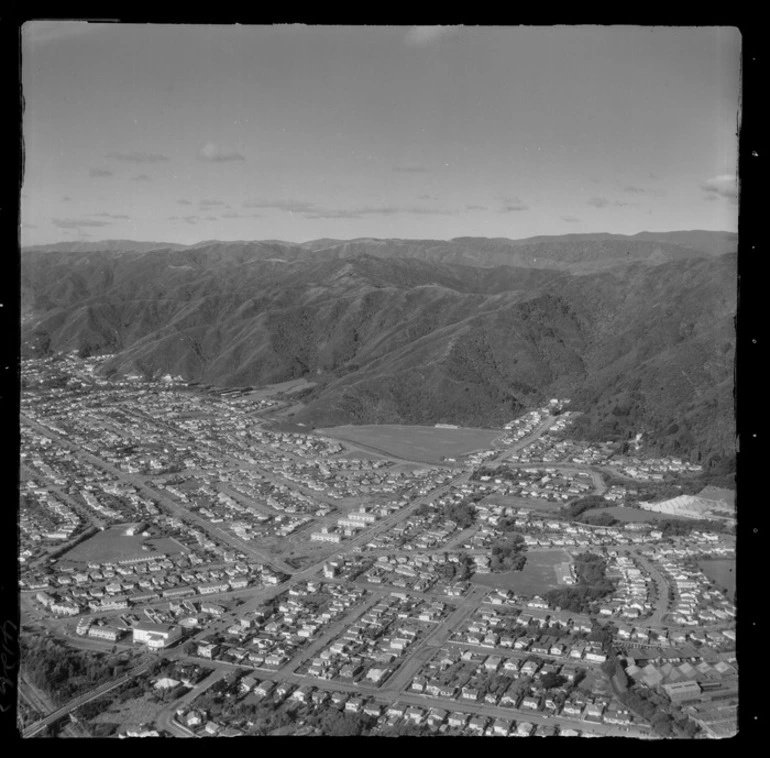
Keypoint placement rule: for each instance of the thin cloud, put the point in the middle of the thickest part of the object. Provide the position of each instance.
(141, 178)
(97, 172)
(184, 202)
(421, 36)
(513, 206)
(724, 185)
(290, 206)
(632, 189)
(138, 156)
(387, 210)
(603, 202)
(570, 219)
(77, 223)
(475, 208)
(215, 153)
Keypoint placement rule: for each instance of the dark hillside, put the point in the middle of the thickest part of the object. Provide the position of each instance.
(639, 332)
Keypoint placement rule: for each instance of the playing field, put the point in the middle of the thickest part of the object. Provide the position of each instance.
(722, 572)
(114, 545)
(537, 576)
(426, 444)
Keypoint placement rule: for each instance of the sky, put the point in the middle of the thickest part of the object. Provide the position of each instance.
(182, 133)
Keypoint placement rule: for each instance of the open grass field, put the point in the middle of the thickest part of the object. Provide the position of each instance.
(415, 443)
(114, 545)
(132, 712)
(722, 572)
(537, 576)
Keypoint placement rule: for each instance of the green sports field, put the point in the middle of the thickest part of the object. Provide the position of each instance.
(426, 444)
(537, 576)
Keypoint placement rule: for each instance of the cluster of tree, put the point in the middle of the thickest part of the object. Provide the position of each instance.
(591, 569)
(463, 514)
(63, 672)
(552, 680)
(332, 722)
(406, 730)
(599, 519)
(576, 599)
(614, 670)
(602, 634)
(456, 572)
(267, 716)
(508, 553)
(591, 587)
(590, 502)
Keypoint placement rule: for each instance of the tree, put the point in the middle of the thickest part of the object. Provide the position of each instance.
(552, 680)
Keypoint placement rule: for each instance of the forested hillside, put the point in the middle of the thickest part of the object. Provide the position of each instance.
(638, 331)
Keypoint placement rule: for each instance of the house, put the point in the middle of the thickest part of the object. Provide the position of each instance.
(264, 688)
(194, 718)
(594, 712)
(573, 709)
(282, 691)
(531, 703)
(418, 684)
(414, 714)
(501, 727)
(457, 720)
(477, 724)
(470, 693)
(354, 704)
(302, 694)
(248, 683)
(376, 674)
(373, 709)
(436, 716)
(351, 670)
(319, 697)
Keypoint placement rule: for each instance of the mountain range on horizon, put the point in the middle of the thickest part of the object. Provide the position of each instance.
(696, 239)
(638, 331)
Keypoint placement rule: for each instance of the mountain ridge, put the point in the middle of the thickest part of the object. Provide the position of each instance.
(639, 333)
